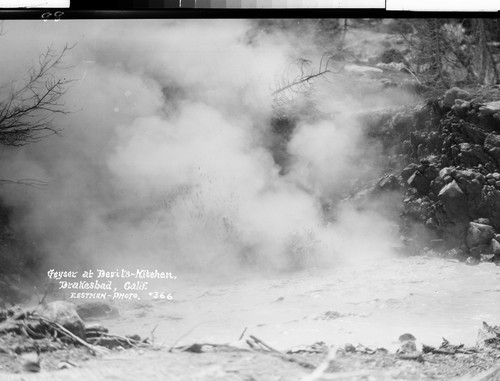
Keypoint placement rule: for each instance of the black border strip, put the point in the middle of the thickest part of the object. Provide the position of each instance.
(183, 13)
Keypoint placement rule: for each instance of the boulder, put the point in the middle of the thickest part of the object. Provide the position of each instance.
(495, 248)
(480, 251)
(479, 234)
(492, 140)
(461, 107)
(419, 182)
(453, 200)
(490, 108)
(492, 146)
(453, 94)
(492, 200)
(65, 314)
(97, 310)
(474, 133)
(447, 171)
(472, 155)
(408, 171)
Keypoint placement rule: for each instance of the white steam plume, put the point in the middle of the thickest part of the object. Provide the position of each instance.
(164, 159)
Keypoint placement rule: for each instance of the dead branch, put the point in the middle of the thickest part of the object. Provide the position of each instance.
(59, 328)
(259, 341)
(303, 78)
(129, 341)
(184, 335)
(243, 333)
(277, 353)
(152, 334)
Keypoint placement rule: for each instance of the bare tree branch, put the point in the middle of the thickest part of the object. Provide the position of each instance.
(27, 111)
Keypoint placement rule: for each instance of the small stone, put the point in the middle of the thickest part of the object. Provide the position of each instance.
(486, 258)
(64, 365)
(471, 261)
(349, 348)
(133, 337)
(31, 362)
(406, 337)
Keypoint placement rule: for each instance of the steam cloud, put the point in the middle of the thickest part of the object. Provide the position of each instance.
(164, 159)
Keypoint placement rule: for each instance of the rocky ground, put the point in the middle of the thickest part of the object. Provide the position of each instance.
(444, 157)
(52, 341)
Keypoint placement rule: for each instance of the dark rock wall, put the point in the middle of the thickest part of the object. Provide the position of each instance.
(448, 155)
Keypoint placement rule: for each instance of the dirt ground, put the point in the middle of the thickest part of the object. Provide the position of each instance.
(174, 326)
(238, 363)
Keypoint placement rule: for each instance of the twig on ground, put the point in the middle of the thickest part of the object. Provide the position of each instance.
(183, 336)
(251, 344)
(129, 341)
(152, 334)
(275, 352)
(452, 350)
(259, 341)
(242, 334)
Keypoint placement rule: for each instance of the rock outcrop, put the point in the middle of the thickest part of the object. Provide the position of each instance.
(446, 154)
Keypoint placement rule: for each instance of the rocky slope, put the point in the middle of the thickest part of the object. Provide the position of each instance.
(444, 156)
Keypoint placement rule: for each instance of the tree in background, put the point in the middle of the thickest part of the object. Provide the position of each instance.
(447, 52)
(27, 111)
